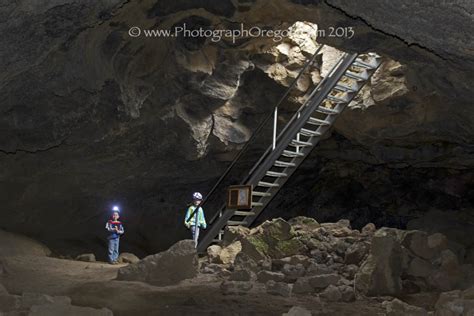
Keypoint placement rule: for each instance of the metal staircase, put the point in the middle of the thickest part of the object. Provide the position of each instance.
(296, 140)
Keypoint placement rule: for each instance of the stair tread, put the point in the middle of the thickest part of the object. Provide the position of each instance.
(295, 142)
(361, 76)
(324, 110)
(243, 213)
(337, 99)
(276, 174)
(292, 154)
(345, 87)
(308, 132)
(268, 184)
(316, 121)
(263, 194)
(279, 163)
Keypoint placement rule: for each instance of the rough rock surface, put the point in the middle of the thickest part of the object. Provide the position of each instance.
(165, 268)
(16, 245)
(95, 116)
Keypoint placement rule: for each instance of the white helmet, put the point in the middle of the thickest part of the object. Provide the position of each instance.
(115, 208)
(197, 196)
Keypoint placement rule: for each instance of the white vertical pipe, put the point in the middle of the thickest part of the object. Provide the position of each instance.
(275, 120)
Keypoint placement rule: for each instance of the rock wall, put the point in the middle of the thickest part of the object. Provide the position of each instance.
(93, 117)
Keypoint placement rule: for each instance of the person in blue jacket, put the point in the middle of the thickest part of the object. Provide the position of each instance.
(194, 218)
(115, 229)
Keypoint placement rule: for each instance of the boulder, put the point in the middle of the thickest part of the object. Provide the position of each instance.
(417, 242)
(318, 269)
(241, 275)
(235, 287)
(347, 293)
(302, 286)
(87, 257)
(233, 233)
(331, 293)
(212, 268)
(368, 230)
(304, 225)
(278, 264)
(126, 257)
(244, 262)
(381, 273)
(228, 254)
(399, 308)
(356, 253)
(324, 280)
(419, 268)
(297, 311)
(265, 276)
(437, 242)
(448, 274)
(292, 272)
(165, 268)
(455, 303)
(273, 239)
(278, 288)
(18, 245)
(213, 253)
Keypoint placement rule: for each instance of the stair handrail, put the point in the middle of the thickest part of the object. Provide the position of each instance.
(294, 117)
(258, 129)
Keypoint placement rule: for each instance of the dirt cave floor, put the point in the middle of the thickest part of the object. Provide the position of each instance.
(93, 285)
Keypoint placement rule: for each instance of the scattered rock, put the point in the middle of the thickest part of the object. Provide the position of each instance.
(331, 293)
(380, 274)
(347, 293)
(126, 257)
(292, 272)
(213, 253)
(165, 268)
(417, 242)
(235, 287)
(419, 268)
(297, 311)
(437, 242)
(324, 280)
(244, 262)
(318, 269)
(87, 257)
(399, 308)
(264, 276)
(302, 286)
(278, 264)
(278, 288)
(228, 254)
(241, 275)
(368, 230)
(356, 253)
(448, 273)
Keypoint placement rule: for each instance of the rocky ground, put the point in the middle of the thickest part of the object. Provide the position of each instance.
(299, 267)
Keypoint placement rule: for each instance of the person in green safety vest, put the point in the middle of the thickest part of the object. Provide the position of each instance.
(194, 218)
